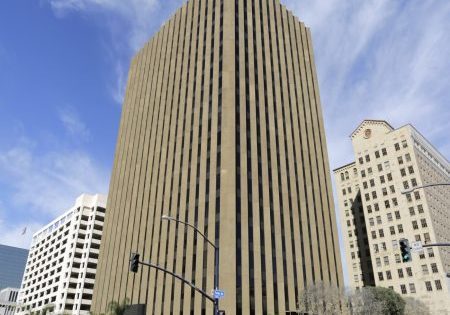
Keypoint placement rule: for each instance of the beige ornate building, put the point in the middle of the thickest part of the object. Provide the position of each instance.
(375, 214)
(221, 127)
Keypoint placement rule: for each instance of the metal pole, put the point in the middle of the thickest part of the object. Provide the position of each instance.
(437, 245)
(216, 278)
(216, 256)
(424, 186)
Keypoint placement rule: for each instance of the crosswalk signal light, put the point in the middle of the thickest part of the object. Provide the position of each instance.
(134, 262)
(405, 250)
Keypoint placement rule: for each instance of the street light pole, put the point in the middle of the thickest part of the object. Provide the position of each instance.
(424, 186)
(216, 256)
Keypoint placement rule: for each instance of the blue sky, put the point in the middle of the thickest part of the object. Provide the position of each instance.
(63, 69)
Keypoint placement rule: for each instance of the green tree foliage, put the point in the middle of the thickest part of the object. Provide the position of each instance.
(393, 302)
(116, 308)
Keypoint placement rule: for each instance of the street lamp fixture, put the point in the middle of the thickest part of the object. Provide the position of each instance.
(424, 186)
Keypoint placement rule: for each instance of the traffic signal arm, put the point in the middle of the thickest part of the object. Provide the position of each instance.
(206, 295)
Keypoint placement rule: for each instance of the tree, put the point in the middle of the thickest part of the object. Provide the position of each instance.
(393, 302)
(116, 308)
(415, 307)
(321, 298)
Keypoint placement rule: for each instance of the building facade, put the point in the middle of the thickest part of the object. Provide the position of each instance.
(221, 127)
(8, 299)
(12, 266)
(61, 267)
(376, 213)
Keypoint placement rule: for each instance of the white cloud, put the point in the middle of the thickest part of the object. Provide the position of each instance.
(12, 235)
(380, 59)
(130, 23)
(49, 183)
(72, 123)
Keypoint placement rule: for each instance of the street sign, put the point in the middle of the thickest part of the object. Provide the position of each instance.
(218, 294)
(416, 246)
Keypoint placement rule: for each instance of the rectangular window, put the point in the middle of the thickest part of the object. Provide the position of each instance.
(389, 217)
(379, 219)
(412, 288)
(384, 151)
(400, 228)
(361, 160)
(397, 146)
(404, 144)
(407, 157)
(386, 204)
(413, 182)
(438, 284)
(380, 276)
(434, 268)
(374, 194)
(409, 271)
(395, 202)
(397, 215)
(378, 261)
(411, 170)
(382, 180)
(425, 270)
(428, 286)
(392, 230)
(367, 158)
(372, 183)
(363, 173)
(386, 260)
(384, 191)
(415, 225)
(392, 189)
(388, 275)
(400, 160)
(377, 154)
(403, 288)
(400, 273)
(420, 208)
(389, 176)
(423, 222)
(380, 167)
(430, 252)
(417, 195)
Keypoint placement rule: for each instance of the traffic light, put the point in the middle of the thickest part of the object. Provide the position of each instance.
(405, 250)
(134, 262)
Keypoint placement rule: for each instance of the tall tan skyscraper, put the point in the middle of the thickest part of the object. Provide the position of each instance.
(376, 215)
(221, 127)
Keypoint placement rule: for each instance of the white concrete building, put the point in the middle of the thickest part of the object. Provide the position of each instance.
(62, 262)
(8, 299)
(375, 214)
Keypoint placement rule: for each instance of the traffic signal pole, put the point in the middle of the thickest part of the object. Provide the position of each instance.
(192, 285)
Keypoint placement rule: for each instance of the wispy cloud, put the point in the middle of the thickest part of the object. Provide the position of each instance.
(49, 183)
(72, 123)
(130, 23)
(12, 234)
(380, 59)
